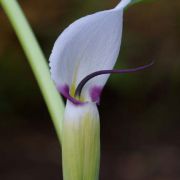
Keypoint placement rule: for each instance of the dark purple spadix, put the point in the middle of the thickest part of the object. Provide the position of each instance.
(102, 72)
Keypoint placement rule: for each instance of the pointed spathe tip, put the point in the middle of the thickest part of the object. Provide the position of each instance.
(123, 4)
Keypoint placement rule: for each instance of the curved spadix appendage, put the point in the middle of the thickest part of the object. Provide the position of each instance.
(102, 72)
(65, 89)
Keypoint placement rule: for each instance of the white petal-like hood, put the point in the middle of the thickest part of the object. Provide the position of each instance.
(89, 44)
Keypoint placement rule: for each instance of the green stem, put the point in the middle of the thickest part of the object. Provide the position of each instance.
(37, 61)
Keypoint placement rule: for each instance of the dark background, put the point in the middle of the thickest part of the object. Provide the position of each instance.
(140, 113)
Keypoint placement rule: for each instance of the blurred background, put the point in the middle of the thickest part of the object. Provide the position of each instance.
(140, 113)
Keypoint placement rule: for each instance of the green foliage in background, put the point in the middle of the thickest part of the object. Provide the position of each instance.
(139, 1)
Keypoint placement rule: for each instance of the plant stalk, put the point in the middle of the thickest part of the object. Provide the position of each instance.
(37, 61)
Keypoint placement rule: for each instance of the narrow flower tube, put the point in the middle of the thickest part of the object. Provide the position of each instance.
(81, 142)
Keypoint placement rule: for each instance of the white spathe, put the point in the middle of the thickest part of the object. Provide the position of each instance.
(89, 44)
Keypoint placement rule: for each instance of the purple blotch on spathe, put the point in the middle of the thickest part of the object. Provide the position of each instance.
(95, 93)
(64, 90)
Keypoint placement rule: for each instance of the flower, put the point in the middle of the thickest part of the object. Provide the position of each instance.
(90, 44)
(88, 48)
